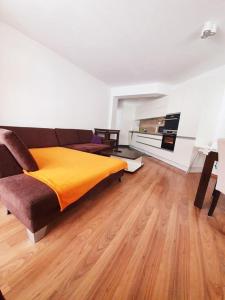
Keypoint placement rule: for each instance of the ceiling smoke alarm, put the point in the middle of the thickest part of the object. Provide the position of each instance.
(208, 30)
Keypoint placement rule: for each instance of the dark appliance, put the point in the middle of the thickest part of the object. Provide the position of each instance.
(168, 141)
(171, 123)
(160, 129)
(170, 131)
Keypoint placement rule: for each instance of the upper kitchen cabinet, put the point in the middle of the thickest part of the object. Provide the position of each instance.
(188, 102)
(152, 109)
(185, 99)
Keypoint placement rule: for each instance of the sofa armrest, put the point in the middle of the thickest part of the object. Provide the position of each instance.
(31, 201)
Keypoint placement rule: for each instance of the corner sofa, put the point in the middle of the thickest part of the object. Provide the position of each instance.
(31, 201)
(77, 139)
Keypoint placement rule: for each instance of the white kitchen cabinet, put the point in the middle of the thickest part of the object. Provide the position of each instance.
(149, 141)
(189, 102)
(152, 109)
(181, 156)
(140, 140)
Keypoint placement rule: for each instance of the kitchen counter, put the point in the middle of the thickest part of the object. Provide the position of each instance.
(160, 134)
(181, 157)
(134, 131)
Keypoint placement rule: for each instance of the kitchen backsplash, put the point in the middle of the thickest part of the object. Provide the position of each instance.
(151, 125)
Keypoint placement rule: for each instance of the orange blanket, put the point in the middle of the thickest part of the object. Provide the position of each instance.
(72, 173)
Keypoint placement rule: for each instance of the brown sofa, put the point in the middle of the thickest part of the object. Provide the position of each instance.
(77, 139)
(31, 201)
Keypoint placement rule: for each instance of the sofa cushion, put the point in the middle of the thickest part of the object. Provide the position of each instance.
(96, 139)
(18, 150)
(35, 137)
(85, 136)
(89, 147)
(29, 199)
(67, 136)
(8, 164)
(95, 148)
(79, 147)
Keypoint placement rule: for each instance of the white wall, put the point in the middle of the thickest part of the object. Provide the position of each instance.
(40, 88)
(125, 119)
(211, 125)
(143, 90)
(152, 109)
(220, 128)
(201, 102)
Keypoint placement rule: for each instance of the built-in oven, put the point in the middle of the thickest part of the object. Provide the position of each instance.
(172, 122)
(170, 131)
(168, 141)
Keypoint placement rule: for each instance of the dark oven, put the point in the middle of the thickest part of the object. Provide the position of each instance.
(172, 122)
(168, 141)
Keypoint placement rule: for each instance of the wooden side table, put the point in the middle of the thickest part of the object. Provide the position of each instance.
(106, 133)
(205, 177)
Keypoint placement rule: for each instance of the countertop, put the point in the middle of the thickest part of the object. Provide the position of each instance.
(160, 134)
(134, 131)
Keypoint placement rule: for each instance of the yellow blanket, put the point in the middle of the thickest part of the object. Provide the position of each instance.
(72, 173)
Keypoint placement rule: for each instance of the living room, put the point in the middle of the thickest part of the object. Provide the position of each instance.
(112, 137)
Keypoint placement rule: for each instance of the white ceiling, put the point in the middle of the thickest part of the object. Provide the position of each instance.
(125, 41)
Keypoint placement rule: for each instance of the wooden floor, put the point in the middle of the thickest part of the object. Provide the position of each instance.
(139, 239)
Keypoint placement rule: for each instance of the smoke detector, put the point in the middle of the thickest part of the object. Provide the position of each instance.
(208, 30)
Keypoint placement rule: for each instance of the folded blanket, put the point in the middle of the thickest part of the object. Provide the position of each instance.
(72, 173)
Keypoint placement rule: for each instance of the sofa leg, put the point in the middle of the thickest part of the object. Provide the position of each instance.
(34, 237)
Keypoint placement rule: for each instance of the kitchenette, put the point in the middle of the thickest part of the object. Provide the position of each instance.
(200, 103)
(165, 128)
(159, 138)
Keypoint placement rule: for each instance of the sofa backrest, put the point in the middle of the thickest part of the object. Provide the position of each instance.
(8, 164)
(85, 135)
(48, 137)
(67, 136)
(73, 136)
(35, 137)
(38, 138)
